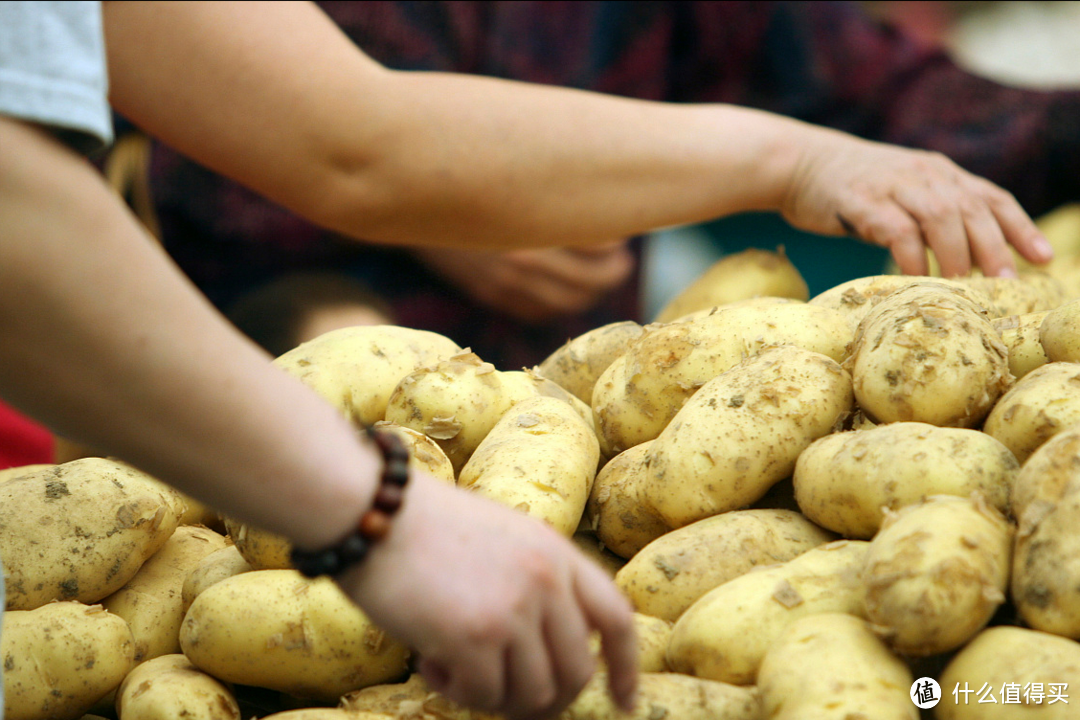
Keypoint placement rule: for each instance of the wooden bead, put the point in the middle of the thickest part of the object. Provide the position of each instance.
(374, 525)
(388, 498)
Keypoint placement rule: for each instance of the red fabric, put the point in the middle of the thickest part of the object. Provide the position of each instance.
(22, 441)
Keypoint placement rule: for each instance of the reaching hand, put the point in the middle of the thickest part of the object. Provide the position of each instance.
(908, 200)
(534, 285)
(498, 605)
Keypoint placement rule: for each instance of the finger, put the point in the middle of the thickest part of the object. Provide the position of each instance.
(887, 225)
(475, 677)
(592, 274)
(1018, 228)
(989, 249)
(567, 634)
(936, 209)
(607, 611)
(532, 686)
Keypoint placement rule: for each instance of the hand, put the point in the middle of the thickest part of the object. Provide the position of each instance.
(908, 200)
(498, 605)
(534, 285)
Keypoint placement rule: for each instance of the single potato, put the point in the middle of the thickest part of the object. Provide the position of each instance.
(1020, 333)
(577, 364)
(1042, 404)
(169, 687)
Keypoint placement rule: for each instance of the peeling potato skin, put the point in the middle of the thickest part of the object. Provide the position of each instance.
(936, 573)
(80, 530)
(278, 630)
(1059, 333)
(742, 433)
(855, 298)
(927, 353)
(616, 510)
(61, 658)
(1020, 333)
(1042, 404)
(1046, 564)
(845, 481)
(170, 687)
(577, 364)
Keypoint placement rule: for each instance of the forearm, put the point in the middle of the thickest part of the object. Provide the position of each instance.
(105, 341)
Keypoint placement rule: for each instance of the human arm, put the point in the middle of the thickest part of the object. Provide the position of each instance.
(291, 108)
(106, 342)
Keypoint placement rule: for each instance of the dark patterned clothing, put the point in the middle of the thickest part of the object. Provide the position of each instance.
(826, 63)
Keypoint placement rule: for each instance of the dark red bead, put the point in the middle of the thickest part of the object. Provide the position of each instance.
(374, 525)
(389, 497)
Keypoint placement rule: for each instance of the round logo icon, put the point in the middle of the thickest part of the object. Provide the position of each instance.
(925, 693)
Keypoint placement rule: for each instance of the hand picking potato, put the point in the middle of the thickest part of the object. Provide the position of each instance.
(1020, 333)
(747, 274)
(640, 392)
(216, 566)
(1034, 668)
(1043, 403)
(356, 368)
(61, 658)
(276, 629)
(152, 601)
(927, 353)
(1046, 565)
(936, 573)
(725, 634)
(169, 687)
(577, 364)
(669, 574)
(1060, 333)
(846, 481)
(540, 458)
(616, 510)
(80, 530)
(668, 695)
(742, 432)
(831, 666)
(855, 298)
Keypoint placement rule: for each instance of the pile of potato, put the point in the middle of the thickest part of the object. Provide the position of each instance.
(810, 502)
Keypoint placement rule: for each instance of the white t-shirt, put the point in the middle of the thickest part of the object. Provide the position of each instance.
(53, 70)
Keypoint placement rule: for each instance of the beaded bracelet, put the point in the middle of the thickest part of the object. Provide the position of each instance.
(374, 524)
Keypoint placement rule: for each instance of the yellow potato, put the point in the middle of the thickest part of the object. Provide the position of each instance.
(668, 695)
(1030, 292)
(61, 658)
(616, 510)
(424, 453)
(855, 298)
(577, 364)
(846, 481)
(152, 601)
(540, 458)
(169, 687)
(409, 700)
(832, 667)
(1020, 334)
(725, 634)
(1043, 403)
(216, 566)
(594, 549)
(276, 629)
(742, 433)
(672, 572)
(14, 472)
(80, 530)
(1060, 333)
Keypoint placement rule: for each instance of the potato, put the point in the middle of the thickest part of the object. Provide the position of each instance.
(742, 432)
(855, 298)
(936, 573)
(639, 394)
(80, 530)
(577, 364)
(1044, 402)
(216, 566)
(62, 658)
(424, 453)
(1059, 333)
(1034, 668)
(276, 629)
(667, 695)
(616, 509)
(832, 666)
(1020, 334)
(410, 700)
(169, 687)
(926, 353)
(152, 601)
(328, 713)
(747, 274)
(356, 368)
(669, 574)
(263, 550)
(594, 549)
(1046, 566)
(846, 481)
(14, 472)
(1030, 292)
(540, 458)
(724, 635)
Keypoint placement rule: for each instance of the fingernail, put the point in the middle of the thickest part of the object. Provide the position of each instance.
(1007, 273)
(1043, 248)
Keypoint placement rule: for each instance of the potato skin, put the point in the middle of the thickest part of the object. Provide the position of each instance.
(672, 572)
(845, 481)
(80, 530)
(617, 511)
(927, 353)
(855, 298)
(725, 634)
(831, 666)
(1005, 654)
(1044, 402)
(1028, 293)
(1020, 333)
(216, 566)
(409, 699)
(742, 433)
(169, 687)
(936, 573)
(541, 458)
(276, 629)
(1059, 333)
(668, 695)
(62, 658)
(577, 364)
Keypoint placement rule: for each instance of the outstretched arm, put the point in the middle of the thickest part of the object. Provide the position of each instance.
(274, 95)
